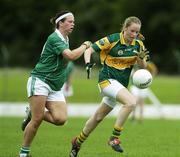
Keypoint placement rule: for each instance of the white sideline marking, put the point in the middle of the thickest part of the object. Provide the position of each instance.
(169, 111)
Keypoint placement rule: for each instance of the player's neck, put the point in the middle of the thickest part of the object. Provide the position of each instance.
(64, 34)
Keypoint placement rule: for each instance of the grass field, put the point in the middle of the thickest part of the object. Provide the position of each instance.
(13, 87)
(153, 138)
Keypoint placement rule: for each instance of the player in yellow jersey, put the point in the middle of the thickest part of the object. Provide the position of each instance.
(118, 53)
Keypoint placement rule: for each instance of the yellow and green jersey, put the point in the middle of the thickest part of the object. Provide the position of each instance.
(51, 67)
(116, 57)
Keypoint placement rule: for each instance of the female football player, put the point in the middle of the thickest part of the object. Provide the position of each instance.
(47, 78)
(118, 53)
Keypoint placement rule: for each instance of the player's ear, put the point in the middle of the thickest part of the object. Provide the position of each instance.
(60, 23)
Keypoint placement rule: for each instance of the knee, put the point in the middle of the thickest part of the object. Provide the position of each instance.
(131, 104)
(98, 118)
(60, 121)
(36, 121)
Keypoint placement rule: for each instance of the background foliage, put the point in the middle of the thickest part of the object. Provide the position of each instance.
(25, 26)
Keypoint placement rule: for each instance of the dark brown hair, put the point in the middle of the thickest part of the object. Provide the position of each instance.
(53, 19)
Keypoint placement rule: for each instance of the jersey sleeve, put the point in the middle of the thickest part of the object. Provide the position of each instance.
(101, 45)
(141, 45)
(59, 47)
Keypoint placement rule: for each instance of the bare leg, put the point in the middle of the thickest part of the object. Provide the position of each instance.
(37, 105)
(99, 115)
(57, 112)
(90, 125)
(141, 109)
(133, 117)
(129, 103)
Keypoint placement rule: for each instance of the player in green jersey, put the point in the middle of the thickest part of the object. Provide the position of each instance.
(118, 53)
(47, 78)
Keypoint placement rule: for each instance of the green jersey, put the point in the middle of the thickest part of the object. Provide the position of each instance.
(70, 68)
(51, 67)
(116, 57)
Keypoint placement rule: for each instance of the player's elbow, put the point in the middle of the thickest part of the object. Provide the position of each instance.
(72, 57)
(69, 55)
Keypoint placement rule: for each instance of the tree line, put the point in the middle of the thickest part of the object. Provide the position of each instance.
(25, 26)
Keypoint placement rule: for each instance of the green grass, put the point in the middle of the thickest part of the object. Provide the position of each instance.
(13, 87)
(153, 138)
(167, 88)
(13, 84)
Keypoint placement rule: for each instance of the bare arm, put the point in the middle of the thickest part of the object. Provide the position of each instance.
(76, 53)
(87, 55)
(142, 62)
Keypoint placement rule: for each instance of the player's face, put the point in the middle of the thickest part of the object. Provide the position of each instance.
(131, 32)
(68, 24)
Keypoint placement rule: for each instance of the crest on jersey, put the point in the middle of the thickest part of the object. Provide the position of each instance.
(102, 42)
(120, 52)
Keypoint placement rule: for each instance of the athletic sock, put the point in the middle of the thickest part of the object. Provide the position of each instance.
(116, 131)
(24, 150)
(81, 138)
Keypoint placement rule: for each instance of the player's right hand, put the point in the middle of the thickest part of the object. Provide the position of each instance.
(88, 69)
(87, 44)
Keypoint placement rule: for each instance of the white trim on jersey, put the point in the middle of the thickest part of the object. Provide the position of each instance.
(61, 36)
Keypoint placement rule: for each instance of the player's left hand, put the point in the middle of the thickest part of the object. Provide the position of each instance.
(143, 54)
(88, 69)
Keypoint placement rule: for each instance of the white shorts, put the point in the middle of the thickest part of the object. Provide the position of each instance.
(37, 87)
(109, 90)
(142, 93)
(67, 90)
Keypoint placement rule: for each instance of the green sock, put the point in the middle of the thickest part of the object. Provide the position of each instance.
(116, 131)
(24, 150)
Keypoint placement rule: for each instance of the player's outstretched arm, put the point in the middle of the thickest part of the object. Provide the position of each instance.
(87, 59)
(76, 53)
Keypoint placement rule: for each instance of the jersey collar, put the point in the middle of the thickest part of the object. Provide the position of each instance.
(123, 41)
(61, 36)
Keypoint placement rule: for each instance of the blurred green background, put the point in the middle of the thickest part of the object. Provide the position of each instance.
(25, 26)
(13, 86)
